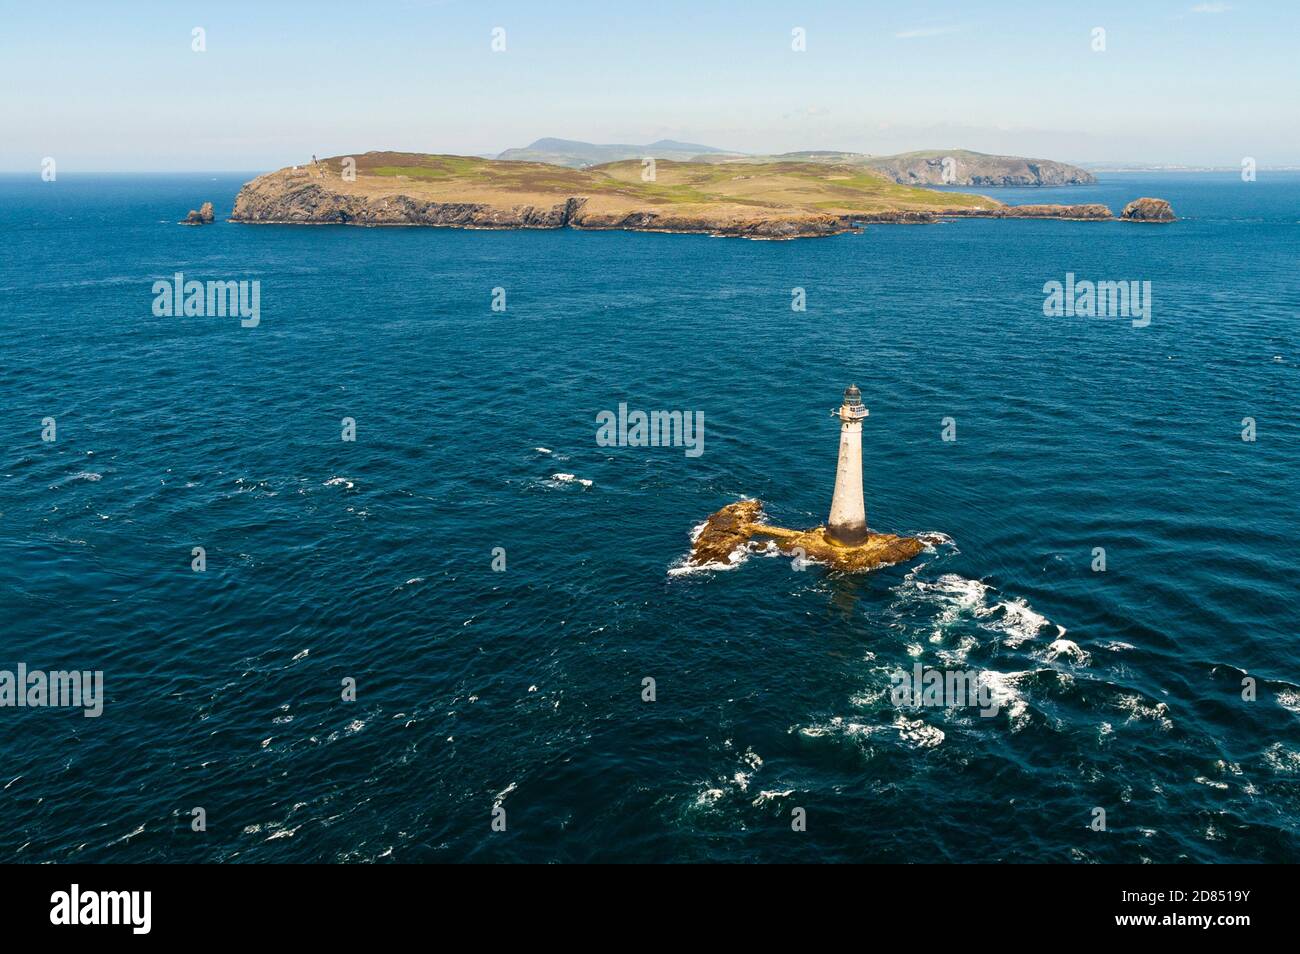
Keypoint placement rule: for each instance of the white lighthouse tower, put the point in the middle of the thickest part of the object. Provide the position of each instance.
(848, 521)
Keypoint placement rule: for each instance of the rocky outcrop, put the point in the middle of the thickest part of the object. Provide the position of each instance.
(307, 202)
(754, 227)
(736, 525)
(1147, 210)
(201, 216)
(1091, 212)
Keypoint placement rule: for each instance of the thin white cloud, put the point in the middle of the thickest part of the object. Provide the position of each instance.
(919, 32)
(1212, 8)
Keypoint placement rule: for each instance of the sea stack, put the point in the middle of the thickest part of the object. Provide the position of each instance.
(203, 215)
(847, 525)
(844, 543)
(1147, 209)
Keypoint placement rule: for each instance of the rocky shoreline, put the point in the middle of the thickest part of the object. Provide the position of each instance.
(318, 197)
(312, 205)
(730, 531)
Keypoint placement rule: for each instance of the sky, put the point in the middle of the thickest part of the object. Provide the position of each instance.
(119, 87)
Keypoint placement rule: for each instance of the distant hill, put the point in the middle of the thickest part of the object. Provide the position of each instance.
(977, 169)
(580, 155)
(960, 167)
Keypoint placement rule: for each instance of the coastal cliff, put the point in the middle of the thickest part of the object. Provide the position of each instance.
(777, 200)
(308, 203)
(961, 167)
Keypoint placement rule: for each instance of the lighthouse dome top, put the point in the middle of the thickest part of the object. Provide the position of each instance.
(852, 396)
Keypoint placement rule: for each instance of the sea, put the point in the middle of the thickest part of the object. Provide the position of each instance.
(364, 586)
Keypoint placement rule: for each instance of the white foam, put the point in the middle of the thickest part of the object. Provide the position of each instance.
(955, 658)
(339, 482)
(837, 725)
(127, 837)
(1070, 649)
(964, 592)
(1138, 708)
(933, 539)
(871, 698)
(708, 797)
(1282, 760)
(1004, 691)
(956, 595)
(542, 450)
(571, 479)
(1021, 622)
(734, 559)
(1288, 698)
(959, 598)
(917, 733)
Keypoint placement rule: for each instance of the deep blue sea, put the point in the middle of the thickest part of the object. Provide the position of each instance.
(521, 689)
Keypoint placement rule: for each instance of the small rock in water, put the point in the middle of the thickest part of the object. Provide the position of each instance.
(736, 523)
(1147, 209)
(202, 216)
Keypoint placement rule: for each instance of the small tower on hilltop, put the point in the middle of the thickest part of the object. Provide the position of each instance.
(848, 521)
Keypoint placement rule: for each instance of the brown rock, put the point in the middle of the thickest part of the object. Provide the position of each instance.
(1147, 210)
(1091, 212)
(732, 528)
(203, 216)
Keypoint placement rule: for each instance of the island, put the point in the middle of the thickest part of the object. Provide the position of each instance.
(762, 200)
(730, 530)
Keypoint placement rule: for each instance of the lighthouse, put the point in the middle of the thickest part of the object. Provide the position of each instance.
(848, 521)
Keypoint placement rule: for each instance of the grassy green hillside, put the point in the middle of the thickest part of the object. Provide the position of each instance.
(778, 185)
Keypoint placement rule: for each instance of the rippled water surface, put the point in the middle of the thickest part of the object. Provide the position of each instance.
(373, 560)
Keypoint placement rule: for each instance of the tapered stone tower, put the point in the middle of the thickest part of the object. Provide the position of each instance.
(848, 521)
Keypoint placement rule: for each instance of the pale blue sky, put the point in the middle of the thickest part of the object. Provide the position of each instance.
(107, 86)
